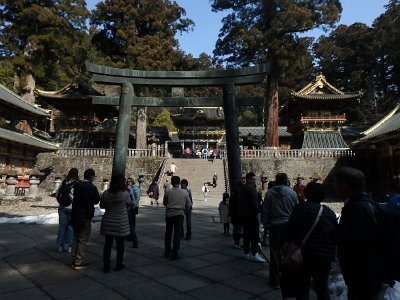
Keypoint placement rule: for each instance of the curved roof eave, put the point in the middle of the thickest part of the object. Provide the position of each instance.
(26, 139)
(16, 101)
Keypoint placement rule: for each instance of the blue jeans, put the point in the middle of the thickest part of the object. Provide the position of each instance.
(132, 225)
(188, 216)
(64, 235)
(175, 224)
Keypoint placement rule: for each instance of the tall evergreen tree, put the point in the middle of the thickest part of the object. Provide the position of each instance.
(347, 58)
(44, 38)
(260, 31)
(139, 34)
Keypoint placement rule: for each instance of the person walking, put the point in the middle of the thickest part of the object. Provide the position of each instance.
(223, 209)
(115, 223)
(205, 190)
(176, 201)
(248, 211)
(280, 200)
(214, 180)
(172, 169)
(318, 251)
(86, 196)
(188, 211)
(356, 236)
(133, 209)
(167, 186)
(64, 236)
(153, 192)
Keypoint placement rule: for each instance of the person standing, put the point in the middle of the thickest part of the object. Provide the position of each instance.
(299, 187)
(86, 196)
(133, 209)
(176, 200)
(248, 211)
(204, 189)
(318, 251)
(167, 186)
(64, 236)
(153, 192)
(115, 223)
(280, 200)
(188, 211)
(357, 235)
(223, 209)
(237, 230)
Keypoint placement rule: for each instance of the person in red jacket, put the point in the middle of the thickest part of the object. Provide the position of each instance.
(299, 187)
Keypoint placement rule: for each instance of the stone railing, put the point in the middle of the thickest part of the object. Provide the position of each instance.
(157, 151)
(298, 153)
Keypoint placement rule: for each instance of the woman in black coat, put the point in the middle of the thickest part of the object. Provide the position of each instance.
(318, 252)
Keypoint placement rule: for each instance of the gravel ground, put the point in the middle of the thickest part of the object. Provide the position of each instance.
(46, 205)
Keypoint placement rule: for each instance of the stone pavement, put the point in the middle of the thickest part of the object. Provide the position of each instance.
(210, 268)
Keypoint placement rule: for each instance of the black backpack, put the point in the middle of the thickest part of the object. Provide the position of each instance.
(64, 195)
(388, 225)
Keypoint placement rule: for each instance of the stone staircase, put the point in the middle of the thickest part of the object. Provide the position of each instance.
(197, 172)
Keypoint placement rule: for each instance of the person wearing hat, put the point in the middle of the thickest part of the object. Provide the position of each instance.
(299, 187)
(315, 177)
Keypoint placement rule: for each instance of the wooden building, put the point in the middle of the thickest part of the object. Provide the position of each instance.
(20, 141)
(380, 146)
(315, 115)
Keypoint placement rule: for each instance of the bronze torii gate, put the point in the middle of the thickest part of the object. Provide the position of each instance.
(227, 79)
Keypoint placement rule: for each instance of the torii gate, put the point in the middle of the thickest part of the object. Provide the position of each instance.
(227, 79)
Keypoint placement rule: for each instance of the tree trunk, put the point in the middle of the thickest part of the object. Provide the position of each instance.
(141, 128)
(272, 111)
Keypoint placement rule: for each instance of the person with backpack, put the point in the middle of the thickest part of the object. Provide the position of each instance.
(357, 236)
(86, 196)
(133, 209)
(153, 192)
(64, 196)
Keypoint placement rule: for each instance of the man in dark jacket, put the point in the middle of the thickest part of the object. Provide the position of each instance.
(86, 196)
(248, 210)
(357, 236)
(280, 201)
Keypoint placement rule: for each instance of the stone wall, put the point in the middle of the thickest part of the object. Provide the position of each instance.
(57, 166)
(294, 166)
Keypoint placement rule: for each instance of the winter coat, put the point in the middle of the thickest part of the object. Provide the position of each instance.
(153, 191)
(86, 196)
(248, 202)
(223, 209)
(115, 220)
(176, 202)
(279, 203)
(319, 243)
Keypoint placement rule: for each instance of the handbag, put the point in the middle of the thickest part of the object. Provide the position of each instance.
(291, 257)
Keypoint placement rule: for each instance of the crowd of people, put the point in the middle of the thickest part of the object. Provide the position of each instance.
(289, 215)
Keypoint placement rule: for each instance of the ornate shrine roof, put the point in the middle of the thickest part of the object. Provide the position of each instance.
(26, 139)
(11, 104)
(321, 89)
(323, 140)
(387, 125)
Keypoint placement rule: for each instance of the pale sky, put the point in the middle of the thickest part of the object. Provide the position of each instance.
(207, 23)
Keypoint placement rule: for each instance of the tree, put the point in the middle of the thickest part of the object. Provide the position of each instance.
(387, 39)
(7, 73)
(164, 119)
(347, 57)
(139, 34)
(247, 118)
(44, 38)
(261, 31)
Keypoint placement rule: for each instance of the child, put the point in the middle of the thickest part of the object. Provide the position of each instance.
(224, 213)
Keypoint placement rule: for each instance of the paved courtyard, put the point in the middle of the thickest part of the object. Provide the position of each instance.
(210, 268)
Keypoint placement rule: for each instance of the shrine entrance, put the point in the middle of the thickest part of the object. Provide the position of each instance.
(226, 79)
